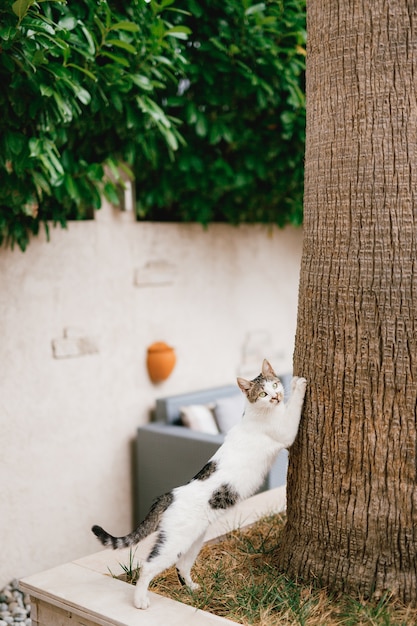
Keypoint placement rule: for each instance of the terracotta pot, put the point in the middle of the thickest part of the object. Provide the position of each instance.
(160, 361)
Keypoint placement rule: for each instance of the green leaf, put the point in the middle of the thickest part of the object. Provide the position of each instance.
(14, 142)
(71, 187)
(218, 44)
(164, 60)
(20, 7)
(151, 108)
(8, 33)
(83, 95)
(68, 22)
(255, 8)
(201, 126)
(166, 3)
(116, 58)
(117, 101)
(127, 26)
(41, 184)
(113, 165)
(110, 191)
(121, 44)
(88, 37)
(179, 32)
(95, 172)
(171, 139)
(83, 70)
(142, 81)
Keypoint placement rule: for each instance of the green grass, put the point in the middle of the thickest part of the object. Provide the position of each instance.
(238, 580)
(131, 570)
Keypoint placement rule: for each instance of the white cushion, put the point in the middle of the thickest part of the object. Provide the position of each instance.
(199, 417)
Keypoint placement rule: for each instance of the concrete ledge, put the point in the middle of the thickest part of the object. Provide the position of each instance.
(83, 592)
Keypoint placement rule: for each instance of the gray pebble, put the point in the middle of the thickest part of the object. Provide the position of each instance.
(14, 606)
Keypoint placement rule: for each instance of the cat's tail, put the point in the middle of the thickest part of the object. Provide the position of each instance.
(148, 526)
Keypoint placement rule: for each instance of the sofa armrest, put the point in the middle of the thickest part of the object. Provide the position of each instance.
(181, 433)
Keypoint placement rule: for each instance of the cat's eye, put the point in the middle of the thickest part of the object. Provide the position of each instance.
(262, 394)
(275, 385)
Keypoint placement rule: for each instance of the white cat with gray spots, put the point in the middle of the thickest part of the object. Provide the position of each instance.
(235, 472)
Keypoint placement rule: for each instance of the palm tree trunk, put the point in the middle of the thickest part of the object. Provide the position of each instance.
(352, 488)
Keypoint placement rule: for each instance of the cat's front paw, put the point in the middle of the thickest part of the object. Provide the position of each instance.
(298, 385)
(141, 601)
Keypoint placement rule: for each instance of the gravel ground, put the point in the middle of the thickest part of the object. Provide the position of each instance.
(14, 606)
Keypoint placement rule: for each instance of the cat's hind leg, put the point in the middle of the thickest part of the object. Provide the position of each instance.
(158, 560)
(147, 571)
(164, 554)
(186, 561)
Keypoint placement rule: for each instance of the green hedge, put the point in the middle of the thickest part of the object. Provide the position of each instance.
(201, 101)
(79, 88)
(243, 105)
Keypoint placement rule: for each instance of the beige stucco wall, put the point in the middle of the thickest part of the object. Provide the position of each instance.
(103, 291)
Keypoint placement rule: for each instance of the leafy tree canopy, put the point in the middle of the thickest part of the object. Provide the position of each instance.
(243, 107)
(201, 102)
(79, 84)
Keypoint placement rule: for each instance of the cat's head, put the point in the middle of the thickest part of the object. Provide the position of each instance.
(266, 389)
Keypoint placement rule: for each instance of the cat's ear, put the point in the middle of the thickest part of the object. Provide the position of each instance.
(244, 384)
(267, 371)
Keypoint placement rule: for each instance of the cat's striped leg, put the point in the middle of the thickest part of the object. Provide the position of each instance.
(186, 561)
(158, 560)
(141, 598)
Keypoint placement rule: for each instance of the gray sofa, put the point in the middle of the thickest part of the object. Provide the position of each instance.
(169, 454)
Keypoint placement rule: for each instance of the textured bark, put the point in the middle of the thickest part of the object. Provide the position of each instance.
(352, 496)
